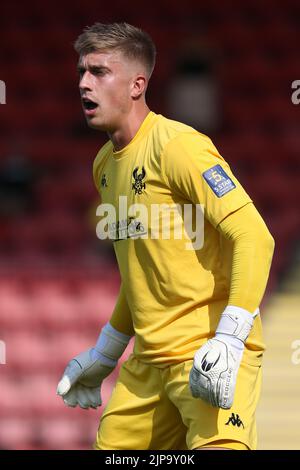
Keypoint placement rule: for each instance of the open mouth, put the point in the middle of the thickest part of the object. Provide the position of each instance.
(89, 104)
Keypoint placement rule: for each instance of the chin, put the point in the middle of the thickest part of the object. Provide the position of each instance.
(93, 124)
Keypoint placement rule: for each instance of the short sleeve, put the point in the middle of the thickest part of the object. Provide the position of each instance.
(193, 168)
(99, 163)
(97, 172)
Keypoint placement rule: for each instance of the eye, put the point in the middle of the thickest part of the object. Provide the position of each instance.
(99, 72)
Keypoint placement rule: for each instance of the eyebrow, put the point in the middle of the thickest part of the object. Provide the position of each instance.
(92, 68)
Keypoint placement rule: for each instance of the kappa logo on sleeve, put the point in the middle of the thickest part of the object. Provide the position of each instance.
(218, 180)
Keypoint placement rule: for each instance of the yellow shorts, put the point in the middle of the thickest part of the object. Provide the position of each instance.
(152, 408)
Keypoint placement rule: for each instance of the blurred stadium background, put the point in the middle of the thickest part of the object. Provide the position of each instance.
(235, 62)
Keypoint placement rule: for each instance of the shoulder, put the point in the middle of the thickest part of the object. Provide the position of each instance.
(184, 145)
(103, 153)
(101, 159)
(102, 156)
(176, 135)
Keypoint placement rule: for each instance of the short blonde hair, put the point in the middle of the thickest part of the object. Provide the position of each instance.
(131, 41)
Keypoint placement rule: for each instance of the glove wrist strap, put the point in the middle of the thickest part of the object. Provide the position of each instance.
(236, 322)
(110, 345)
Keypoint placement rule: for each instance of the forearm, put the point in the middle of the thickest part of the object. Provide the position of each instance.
(253, 248)
(121, 318)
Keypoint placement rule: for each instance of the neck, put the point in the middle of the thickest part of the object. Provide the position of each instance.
(130, 125)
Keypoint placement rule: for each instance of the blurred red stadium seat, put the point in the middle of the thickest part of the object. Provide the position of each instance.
(16, 433)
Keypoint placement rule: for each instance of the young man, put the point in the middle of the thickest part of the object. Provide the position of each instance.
(193, 380)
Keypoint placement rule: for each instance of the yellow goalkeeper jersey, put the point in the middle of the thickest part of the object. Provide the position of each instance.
(162, 198)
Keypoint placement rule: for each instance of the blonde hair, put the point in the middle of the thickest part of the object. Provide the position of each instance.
(131, 41)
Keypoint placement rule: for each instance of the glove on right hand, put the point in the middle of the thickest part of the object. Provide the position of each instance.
(82, 379)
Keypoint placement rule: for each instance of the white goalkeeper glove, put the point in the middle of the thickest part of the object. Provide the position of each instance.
(216, 363)
(83, 376)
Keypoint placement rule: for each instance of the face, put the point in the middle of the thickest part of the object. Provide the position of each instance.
(108, 85)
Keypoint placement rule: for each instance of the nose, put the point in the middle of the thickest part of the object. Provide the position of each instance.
(85, 82)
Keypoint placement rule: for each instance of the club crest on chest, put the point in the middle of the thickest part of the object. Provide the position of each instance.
(138, 185)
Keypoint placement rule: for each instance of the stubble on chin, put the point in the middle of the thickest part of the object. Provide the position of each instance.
(93, 124)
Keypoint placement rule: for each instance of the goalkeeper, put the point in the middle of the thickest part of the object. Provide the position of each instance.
(193, 380)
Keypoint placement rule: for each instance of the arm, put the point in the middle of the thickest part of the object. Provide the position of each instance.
(121, 318)
(83, 376)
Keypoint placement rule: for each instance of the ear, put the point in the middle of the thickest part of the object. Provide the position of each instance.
(139, 86)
